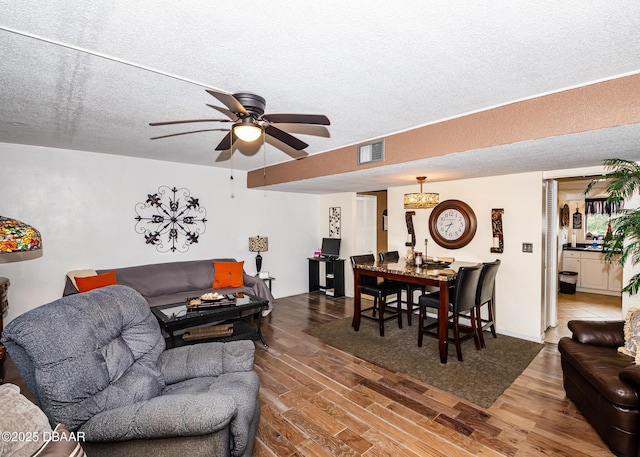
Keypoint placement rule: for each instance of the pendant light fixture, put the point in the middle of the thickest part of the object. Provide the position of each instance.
(421, 200)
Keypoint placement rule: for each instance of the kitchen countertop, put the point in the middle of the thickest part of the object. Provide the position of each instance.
(585, 247)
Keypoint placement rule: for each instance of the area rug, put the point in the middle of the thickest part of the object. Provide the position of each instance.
(480, 378)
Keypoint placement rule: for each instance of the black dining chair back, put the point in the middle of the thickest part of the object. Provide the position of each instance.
(409, 288)
(466, 286)
(485, 295)
(389, 256)
(365, 259)
(462, 300)
(369, 285)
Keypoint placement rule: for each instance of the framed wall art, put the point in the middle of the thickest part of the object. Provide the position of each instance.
(334, 222)
(577, 218)
(496, 228)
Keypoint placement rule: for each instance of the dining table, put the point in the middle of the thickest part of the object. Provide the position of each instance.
(436, 273)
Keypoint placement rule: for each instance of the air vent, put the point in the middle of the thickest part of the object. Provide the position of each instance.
(372, 152)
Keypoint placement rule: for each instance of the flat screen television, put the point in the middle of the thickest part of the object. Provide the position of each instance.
(330, 248)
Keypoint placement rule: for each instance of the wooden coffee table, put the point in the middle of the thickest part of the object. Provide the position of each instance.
(173, 317)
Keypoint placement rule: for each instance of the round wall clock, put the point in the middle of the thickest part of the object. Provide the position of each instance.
(452, 224)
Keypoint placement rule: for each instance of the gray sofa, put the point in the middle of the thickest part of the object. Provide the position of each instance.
(172, 282)
(96, 362)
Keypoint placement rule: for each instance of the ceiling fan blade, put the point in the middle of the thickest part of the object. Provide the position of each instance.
(228, 100)
(224, 156)
(187, 133)
(224, 111)
(283, 136)
(290, 118)
(226, 142)
(293, 153)
(187, 121)
(306, 129)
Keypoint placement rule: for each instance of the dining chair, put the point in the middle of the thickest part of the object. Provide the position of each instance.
(409, 288)
(369, 285)
(485, 295)
(462, 301)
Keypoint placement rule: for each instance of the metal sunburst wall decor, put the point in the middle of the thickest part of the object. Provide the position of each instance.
(171, 219)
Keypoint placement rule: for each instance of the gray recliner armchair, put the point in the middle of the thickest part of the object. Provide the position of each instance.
(96, 362)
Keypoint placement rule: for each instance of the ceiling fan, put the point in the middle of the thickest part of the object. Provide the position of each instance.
(246, 111)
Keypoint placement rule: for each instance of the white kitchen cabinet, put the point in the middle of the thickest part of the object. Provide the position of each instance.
(594, 273)
(571, 262)
(614, 271)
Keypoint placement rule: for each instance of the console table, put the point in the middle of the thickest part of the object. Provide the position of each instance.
(333, 284)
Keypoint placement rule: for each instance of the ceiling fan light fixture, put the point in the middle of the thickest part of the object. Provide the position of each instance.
(247, 130)
(246, 111)
(421, 200)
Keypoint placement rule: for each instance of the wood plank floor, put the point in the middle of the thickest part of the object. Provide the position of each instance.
(319, 401)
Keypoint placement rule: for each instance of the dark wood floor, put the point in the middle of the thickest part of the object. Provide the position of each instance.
(319, 401)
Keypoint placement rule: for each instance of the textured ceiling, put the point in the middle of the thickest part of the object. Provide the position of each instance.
(91, 75)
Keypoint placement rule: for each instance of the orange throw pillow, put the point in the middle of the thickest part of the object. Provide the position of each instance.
(94, 282)
(227, 274)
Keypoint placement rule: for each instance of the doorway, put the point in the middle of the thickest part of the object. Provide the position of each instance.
(585, 304)
(366, 236)
(380, 223)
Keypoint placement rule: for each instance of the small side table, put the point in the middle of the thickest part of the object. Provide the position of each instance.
(268, 281)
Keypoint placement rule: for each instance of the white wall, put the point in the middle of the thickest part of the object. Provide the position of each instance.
(83, 204)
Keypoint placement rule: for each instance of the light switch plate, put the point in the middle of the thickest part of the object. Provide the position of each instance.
(527, 247)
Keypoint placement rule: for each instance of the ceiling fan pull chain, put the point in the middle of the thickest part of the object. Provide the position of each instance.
(264, 161)
(231, 175)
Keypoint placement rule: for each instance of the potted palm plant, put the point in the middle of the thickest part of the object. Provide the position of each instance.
(623, 181)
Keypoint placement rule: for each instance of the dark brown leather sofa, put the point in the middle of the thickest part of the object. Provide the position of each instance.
(603, 383)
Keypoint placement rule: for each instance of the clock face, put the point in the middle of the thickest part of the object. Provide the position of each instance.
(452, 224)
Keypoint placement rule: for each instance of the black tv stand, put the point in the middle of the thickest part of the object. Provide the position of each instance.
(333, 284)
